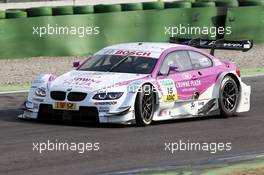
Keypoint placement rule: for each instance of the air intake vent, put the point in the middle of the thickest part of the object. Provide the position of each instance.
(76, 96)
(58, 95)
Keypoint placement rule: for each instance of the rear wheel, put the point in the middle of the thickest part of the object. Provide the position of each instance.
(228, 97)
(144, 105)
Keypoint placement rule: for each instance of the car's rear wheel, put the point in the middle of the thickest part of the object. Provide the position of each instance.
(228, 97)
(144, 105)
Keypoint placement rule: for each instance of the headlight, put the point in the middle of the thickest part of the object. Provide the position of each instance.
(108, 96)
(40, 92)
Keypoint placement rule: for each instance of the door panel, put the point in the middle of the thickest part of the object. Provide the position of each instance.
(185, 82)
(203, 70)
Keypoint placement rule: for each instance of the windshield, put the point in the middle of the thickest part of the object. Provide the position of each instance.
(131, 64)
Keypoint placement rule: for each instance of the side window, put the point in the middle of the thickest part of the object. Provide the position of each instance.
(199, 60)
(178, 59)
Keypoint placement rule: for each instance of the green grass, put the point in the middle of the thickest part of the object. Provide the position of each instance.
(14, 87)
(252, 71)
(212, 169)
(26, 86)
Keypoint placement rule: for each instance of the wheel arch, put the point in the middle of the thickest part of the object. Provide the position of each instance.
(156, 95)
(220, 79)
(232, 75)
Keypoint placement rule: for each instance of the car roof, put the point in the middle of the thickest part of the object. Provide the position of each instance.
(151, 46)
(155, 48)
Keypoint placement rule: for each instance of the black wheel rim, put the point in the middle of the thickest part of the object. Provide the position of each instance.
(147, 107)
(229, 96)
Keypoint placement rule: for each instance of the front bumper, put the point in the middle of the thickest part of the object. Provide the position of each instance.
(28, 115)
(84, 114)
(86, 110)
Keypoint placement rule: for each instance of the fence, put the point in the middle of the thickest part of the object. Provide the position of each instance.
(32, 32)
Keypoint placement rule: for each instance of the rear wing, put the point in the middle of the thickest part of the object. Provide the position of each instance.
(243, 45)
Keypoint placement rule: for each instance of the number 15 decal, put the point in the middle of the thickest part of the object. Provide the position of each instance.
(169, 91)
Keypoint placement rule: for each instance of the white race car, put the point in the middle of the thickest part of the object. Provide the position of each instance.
(137, 83)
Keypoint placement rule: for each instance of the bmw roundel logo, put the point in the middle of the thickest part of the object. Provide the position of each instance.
(69, 89)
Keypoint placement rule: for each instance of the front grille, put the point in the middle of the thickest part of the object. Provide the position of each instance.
(76, 96)
(85, 114)
(58, 95)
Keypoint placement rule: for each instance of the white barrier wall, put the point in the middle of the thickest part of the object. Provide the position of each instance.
(23, 5)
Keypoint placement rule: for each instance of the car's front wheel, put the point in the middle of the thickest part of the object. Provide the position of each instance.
(228, 97)
(144, 105)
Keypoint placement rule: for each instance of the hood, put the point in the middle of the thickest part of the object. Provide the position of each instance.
(92, 81)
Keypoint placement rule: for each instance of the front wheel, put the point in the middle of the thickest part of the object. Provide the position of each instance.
(144, 105)
(228, 97)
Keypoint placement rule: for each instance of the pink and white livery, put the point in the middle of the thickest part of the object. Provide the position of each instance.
(137, 83)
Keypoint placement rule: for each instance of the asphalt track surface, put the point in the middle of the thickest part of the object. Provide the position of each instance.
(123, 147)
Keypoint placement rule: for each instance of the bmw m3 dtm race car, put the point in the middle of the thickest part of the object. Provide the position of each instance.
(137, 83)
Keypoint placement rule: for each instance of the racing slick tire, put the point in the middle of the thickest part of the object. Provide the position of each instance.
(132, 6)
(39, 11)
(228, 97)
(251, 2)
(159, 5)
(226, 3)
(144, 105)
(178, 4)
(15, 14)
(103, 8)
(88, 9)
(203, 4)
(62, 10)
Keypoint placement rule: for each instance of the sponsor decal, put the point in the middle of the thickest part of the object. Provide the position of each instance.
(186, 76)
(224, 44)
(165, 112)
(80, 82)
(147, 52)
(169, 91)
(84, 79)
(166, 82)
(52, 77)
(189, 89)
(170, 97)
(191, 83)
(133, 53)
(103, 109)
(106, 103)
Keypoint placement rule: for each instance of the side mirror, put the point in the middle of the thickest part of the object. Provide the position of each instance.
(173, 69)
(76, 64)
